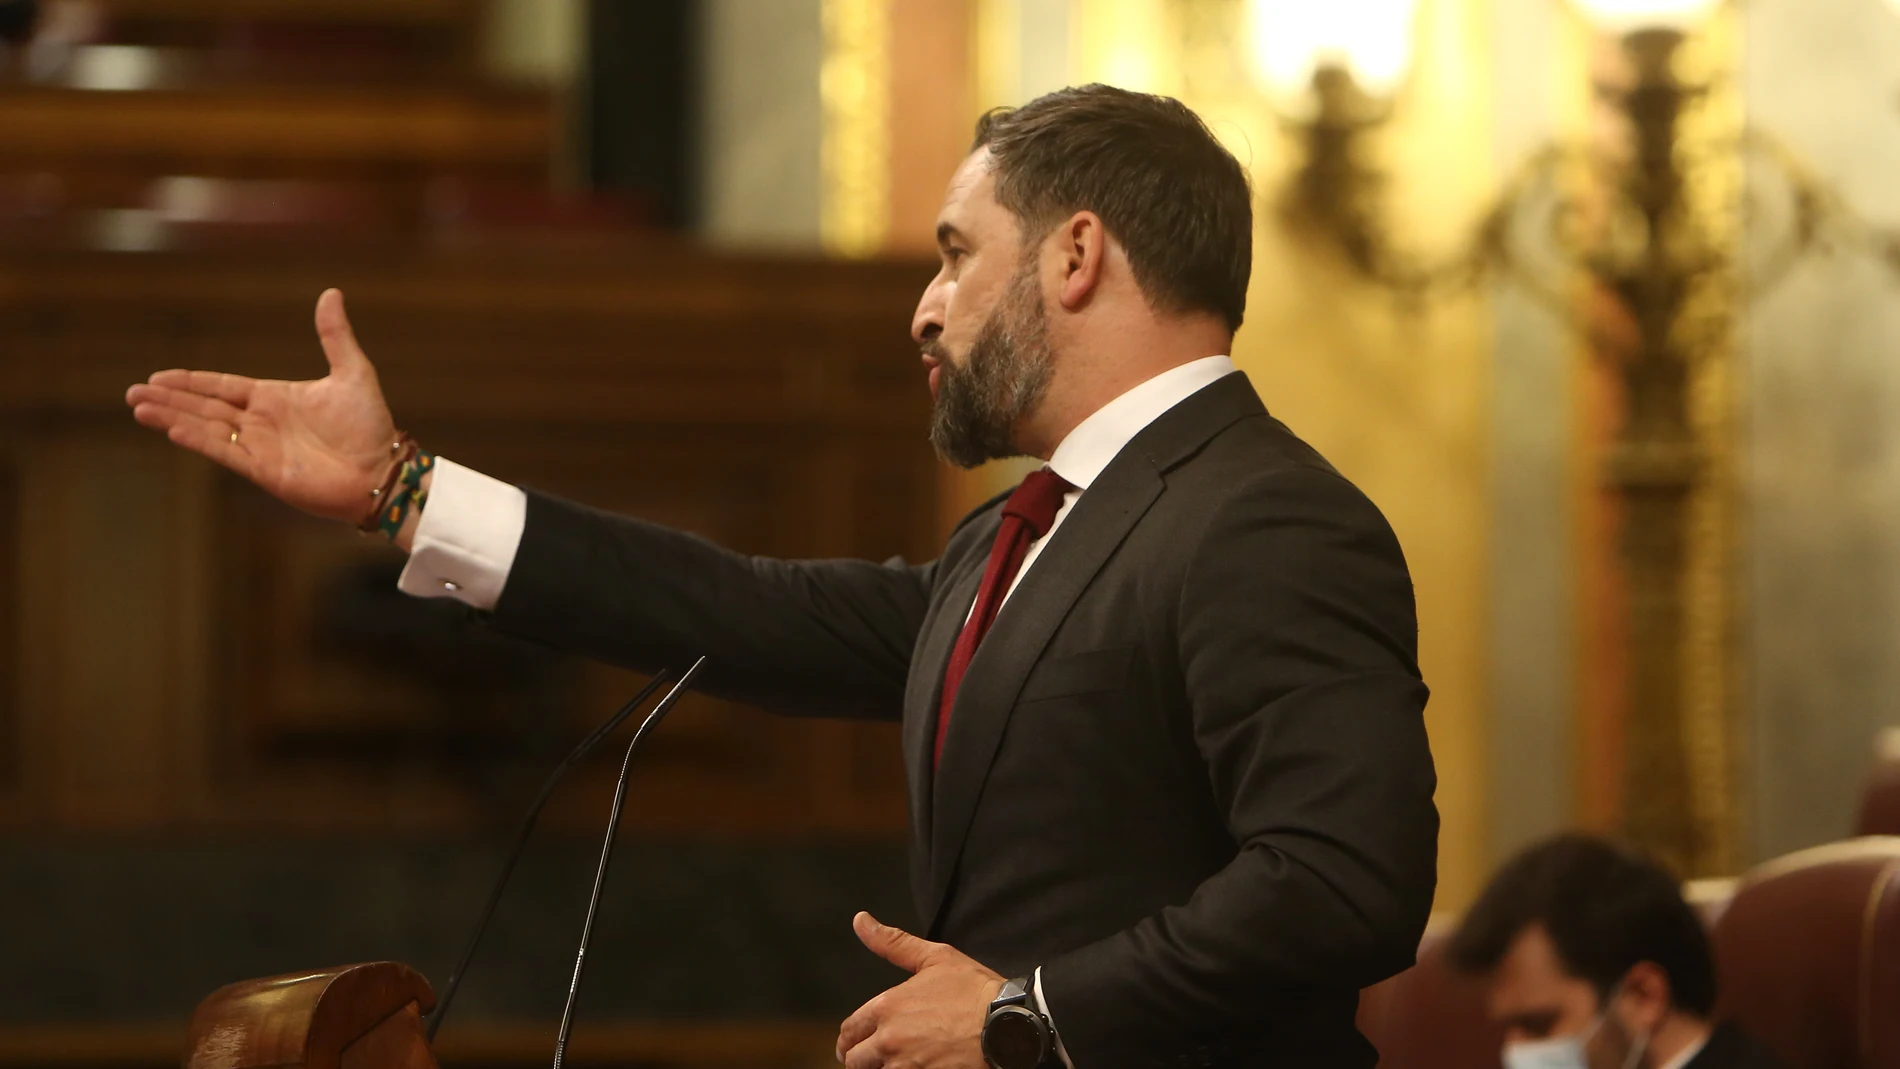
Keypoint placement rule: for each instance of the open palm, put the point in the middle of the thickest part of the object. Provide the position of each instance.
(321, 445)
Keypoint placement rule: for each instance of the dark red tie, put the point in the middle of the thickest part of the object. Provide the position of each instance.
(1026, 517)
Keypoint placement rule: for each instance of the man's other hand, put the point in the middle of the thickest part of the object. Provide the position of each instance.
(934, 1020)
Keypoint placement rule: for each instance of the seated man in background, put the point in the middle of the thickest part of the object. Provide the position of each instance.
(1592, 960)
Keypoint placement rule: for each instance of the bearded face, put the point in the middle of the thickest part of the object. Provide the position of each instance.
(980, 402)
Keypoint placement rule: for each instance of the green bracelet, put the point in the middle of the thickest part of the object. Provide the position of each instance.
(407, 494)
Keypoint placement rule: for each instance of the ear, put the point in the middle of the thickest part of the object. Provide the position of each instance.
(1083, 245)
(1645, 997)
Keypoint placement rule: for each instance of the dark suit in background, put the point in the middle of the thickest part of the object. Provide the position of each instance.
(1187, 772)
(1731, 1048)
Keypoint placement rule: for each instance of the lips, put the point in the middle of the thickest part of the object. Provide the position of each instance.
(935, 369)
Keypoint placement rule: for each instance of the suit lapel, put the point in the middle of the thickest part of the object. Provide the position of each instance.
(1102, 518)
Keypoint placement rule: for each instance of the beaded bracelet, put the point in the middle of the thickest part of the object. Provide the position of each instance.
(407, 495)
(400, 452)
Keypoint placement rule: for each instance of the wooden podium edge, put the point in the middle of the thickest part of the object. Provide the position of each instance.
(708, 1043)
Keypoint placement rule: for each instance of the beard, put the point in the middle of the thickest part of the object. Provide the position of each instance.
(1004, 378)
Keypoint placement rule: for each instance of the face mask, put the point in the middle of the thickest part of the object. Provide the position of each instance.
(1557, 1052)
(1566, 1052)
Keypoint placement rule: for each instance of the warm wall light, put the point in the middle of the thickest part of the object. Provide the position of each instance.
(1332, 69)
(1637, 240)
(1625, 16)
(1293, 40)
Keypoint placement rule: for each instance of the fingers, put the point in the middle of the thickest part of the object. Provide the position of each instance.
(894, 945)
(232, 389)
(869, 1054)
(339, 341)
(859, 1027)
(206, 437)
(184, 401)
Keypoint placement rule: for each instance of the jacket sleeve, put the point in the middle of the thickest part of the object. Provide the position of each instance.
(1298, 646)
(823, 637)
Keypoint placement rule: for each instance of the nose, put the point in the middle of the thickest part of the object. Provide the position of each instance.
(927, 321)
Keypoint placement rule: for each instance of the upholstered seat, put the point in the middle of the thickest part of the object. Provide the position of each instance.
(1808, 955)
(1429, 1017)
(1880, 802)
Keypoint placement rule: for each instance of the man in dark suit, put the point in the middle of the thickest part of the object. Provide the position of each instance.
(1592, 960)
(1171, 797)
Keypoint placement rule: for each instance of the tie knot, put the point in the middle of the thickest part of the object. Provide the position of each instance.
(1038, 499)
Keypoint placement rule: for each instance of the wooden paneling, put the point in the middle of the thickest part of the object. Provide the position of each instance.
(383, 12)
(312, 115)
(10, 567)
(774, 406)
(357, 132)
(378, 150)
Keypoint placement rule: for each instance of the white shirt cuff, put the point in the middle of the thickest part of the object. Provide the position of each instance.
(1061, 1051)
(466, 542)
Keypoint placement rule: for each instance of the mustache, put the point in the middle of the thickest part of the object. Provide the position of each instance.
(936, 350)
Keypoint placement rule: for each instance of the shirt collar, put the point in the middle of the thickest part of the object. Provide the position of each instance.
(1688, 1053)
(1095, 441)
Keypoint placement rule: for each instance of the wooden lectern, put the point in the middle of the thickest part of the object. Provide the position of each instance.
(352, 1017)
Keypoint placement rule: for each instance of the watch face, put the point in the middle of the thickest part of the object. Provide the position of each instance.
(1014, 1039)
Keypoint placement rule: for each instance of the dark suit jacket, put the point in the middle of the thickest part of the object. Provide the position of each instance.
(1186, 773)
(1731, 1048)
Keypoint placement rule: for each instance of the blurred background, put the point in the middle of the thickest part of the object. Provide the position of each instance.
(1597, 299)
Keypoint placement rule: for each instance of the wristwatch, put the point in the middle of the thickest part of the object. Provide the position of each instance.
(1016, 1035)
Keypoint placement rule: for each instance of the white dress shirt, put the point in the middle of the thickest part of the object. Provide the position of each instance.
(465, 544)
(1688, 1053)
(1095, 441)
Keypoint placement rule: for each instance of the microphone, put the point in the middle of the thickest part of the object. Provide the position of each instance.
(607, 850)
(586, 746)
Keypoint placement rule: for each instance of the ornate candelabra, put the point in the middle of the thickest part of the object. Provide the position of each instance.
(1626, 227)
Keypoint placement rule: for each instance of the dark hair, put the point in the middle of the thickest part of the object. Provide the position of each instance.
(16, 20)
(1605, 907)
(1176, 199)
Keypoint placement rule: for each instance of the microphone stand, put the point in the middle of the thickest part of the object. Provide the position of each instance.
(586, 746)
(607, 849)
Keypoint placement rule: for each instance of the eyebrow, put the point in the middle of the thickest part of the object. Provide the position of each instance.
(1540, 1021)
(947, 232)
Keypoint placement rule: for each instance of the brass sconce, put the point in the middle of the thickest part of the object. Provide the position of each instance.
(1635, 236)
(1332, 72)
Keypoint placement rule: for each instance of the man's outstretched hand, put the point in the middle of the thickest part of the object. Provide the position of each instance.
(321, 445)
(934, 1020)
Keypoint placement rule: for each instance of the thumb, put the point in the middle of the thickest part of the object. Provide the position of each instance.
(894, 945)
(339, 341)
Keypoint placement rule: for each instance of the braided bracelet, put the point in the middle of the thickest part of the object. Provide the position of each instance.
(408, 493)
